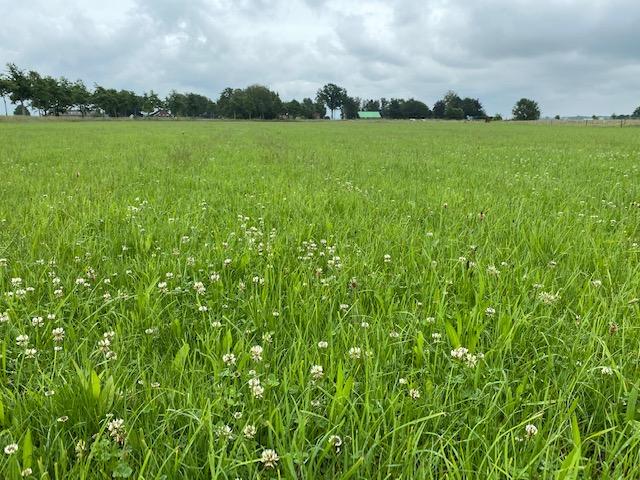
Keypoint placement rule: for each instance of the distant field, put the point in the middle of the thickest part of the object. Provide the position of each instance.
(326, 300)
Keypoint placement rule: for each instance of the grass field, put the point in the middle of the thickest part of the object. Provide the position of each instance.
(322, 300)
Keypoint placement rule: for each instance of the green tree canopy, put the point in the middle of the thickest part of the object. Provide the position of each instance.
(20, 84)
(526, 109)
(332, 96)
(350, 108)
(439, 109)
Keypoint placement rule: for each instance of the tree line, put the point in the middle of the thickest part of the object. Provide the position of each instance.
(51, 96)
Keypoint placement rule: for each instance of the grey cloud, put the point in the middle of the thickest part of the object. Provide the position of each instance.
(573, 56)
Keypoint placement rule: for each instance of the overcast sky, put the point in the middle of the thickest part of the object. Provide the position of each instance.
(572, 56)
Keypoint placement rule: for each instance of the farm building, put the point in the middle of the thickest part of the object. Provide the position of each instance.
(369, 115)
(160, 113)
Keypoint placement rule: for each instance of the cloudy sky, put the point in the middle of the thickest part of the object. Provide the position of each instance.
(572, 56)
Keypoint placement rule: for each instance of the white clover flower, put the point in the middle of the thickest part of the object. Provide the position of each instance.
(199, 288)
(229, 359)
(37, 322)
(269, 458)
(531, 430)
(344, 307)
(317, 372)
(492, 270)
(4, 317)
(436, 336)
(11, 449)
(596, 283)
(22, 340)
(355, 353)
(490, 311)
(58, 334)
(256, 353)
(16, 282)
(80, 448)
(606, 370)
(26, 472)
(394, 334)
(387, 258)
(116, 430)
(257, 391)
(224, 432)
(336, 442)
(323, 344)
(104, 344)
(459, 353)
(403, 381)
(249, 431)
(414, 393)
(471, 360)
(548, 298)
(203, 308)
(430, 320)
(254, 382)
(364, 324)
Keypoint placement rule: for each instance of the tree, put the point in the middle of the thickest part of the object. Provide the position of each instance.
(497, 117)
(636, 113)
(311, 109)
(393, 108)
(22, 110)
(371, 106)
(292, 109)
(414, 109)
(350, 108)
(20, 85)
(255, 101)
(452, 100)
(80, 97)
(454, 113)
(526, 109)
(332, 96)
(473, 108)
(106, 100)
(5, 89)
(151, 102)
(262, 103)
(439, 109)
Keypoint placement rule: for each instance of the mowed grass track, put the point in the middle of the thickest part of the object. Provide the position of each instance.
(194, 276)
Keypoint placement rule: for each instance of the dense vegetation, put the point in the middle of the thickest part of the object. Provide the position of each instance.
(51, 96)
(234, 300)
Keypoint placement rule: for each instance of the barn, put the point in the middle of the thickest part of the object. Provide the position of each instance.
(369, 115)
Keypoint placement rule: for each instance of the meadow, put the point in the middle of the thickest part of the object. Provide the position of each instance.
(319, 300)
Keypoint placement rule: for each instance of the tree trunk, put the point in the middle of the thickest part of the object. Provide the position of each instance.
(6, 112)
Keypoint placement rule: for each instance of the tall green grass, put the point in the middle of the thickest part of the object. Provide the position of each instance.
(395, 243)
